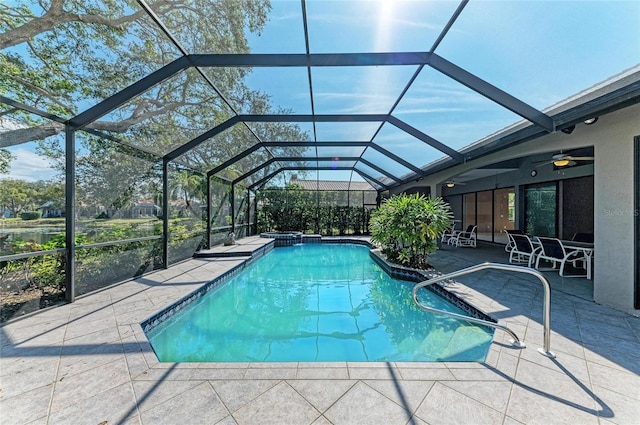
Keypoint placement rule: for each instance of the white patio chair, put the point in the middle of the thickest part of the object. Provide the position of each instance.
(455, 233)
(552, 250)
(511, 244)
(523, 250)
(448, 234)
(583, 237)
(465, 238)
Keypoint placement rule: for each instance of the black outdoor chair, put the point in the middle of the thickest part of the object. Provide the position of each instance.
(523, 250)
(552, 250)
(582, 237)
(511, 244)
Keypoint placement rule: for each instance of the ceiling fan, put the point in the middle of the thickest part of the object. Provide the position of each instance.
(565, 160)
(451, 183)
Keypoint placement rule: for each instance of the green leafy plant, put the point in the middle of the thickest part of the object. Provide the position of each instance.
(30, 215)
(406, 227)
(297, 209)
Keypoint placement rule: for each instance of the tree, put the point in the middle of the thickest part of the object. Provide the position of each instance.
(5, 160)
(63, 56)
(16, 195)
(48, 191)
(85, 46)
(187, 185)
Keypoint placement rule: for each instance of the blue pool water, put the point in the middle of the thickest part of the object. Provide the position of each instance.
(316, 302)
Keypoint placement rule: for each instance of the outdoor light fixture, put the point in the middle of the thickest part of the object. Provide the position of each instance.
(591, 120)
(450, 184)
(568, 130)
(561, 162)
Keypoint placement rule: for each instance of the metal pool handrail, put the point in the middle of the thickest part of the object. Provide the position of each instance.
(546, 350)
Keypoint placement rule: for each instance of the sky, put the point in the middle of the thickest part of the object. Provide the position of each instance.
(539, 51)
(28, 165)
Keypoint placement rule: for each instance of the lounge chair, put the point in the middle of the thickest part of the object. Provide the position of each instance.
(552, 250)
(511, 244)
(582, 237)
(523, 250)
(448, 234)
(465, 238)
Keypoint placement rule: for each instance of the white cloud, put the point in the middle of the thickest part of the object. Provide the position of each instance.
(368, 15)
(8, 124)
(29, 166)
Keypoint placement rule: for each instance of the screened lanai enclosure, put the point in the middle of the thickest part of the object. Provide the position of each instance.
(134, 133)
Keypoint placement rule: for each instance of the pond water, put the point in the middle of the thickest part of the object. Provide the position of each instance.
(38, 235)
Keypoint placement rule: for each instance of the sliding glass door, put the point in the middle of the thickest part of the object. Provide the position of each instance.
(541, 209)
(493, 211)
(485, 215)
(469, 214)
(504, 213)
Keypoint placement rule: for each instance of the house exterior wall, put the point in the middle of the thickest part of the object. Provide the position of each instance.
(614, 209)
(613, 170)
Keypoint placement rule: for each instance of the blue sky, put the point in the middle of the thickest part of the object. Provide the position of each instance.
(28, 165)
(539, 51)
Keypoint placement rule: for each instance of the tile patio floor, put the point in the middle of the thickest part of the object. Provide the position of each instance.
(90, 363)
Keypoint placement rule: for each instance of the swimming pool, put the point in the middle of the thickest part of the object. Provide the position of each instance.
(316, 302)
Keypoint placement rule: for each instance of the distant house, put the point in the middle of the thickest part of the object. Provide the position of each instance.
(50, 210)
(181, 206)
(331, 185)
(142, 208)
(145, 208)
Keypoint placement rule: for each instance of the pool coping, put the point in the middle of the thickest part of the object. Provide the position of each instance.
(175, 307)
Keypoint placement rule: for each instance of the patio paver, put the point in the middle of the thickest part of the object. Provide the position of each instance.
(89, 362)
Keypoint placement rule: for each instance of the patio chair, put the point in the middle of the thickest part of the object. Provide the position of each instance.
(523, 250)
(448, 234)
(511, 244)
(582, 237)
(455, 233)
(466, 238)
(552, 250)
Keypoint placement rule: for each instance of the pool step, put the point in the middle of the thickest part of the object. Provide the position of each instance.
(458, 347)
(252, 248)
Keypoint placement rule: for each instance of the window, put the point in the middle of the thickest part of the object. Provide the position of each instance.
(504, 213)
(469, 212)
(485, 215)
(493, 211)
(541, 206)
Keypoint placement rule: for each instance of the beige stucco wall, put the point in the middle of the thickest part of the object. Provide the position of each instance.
(612, 137)
(614, 209)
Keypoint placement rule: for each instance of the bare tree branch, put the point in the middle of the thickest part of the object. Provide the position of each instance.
(56, 16)
(44, 93)
(24, 135)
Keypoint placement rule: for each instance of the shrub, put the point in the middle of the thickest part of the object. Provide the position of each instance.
(406, 227)
(30, 215)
